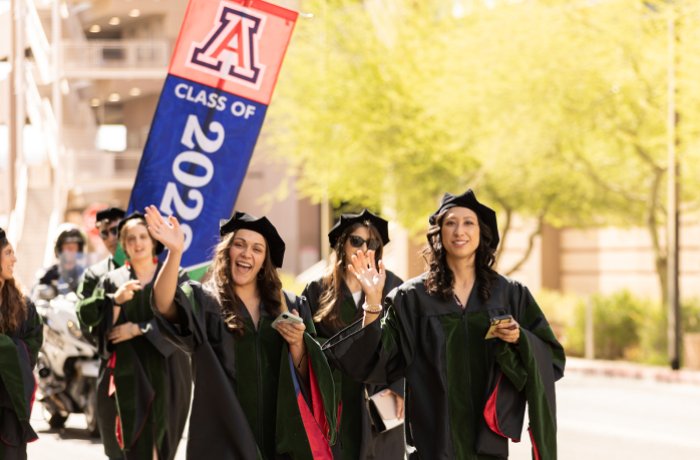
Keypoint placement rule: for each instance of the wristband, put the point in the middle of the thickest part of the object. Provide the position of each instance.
(373, 309)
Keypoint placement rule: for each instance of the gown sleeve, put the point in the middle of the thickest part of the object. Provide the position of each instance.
(18, 355)
(95, 309)
(88, 282)
(192, 305)
(306, 410)
(33, 333)
(380, 352)
(531, 367)
(155, 332)
(392, 282)
(536, 336)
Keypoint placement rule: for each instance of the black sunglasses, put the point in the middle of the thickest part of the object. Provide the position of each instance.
(104, 234)
(358, 241)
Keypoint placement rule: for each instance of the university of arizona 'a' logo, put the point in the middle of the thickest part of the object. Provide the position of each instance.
(230, 50)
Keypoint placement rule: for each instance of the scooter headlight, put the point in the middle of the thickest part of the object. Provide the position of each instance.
(74, 330)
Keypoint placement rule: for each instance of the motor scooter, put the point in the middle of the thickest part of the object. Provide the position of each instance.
(68, 364)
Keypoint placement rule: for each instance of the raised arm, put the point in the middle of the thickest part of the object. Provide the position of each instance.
(173, 238)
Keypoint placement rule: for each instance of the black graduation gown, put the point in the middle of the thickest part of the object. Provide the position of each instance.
(92, 275)
(89, 281)
(244, 405)
(18, 355)
(153, 379)
(106, 409)
(357, 437)
(449, 367)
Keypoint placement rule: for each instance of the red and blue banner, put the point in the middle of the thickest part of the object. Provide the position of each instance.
(210, 112)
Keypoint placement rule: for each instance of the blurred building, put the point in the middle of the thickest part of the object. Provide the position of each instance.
(88, 76)
(602, 260)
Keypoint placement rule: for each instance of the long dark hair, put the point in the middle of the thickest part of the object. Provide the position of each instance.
(221, 285)
(13, 310)
(332, 281)
(440, 277)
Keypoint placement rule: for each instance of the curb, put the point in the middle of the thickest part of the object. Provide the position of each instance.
(624, 369)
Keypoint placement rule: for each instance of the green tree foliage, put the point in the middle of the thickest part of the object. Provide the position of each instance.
(556, 110)
(617, 323)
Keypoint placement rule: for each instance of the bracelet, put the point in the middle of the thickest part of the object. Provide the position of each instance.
(373, 309)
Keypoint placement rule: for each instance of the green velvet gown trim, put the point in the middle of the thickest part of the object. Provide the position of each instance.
(466, 378)
(448, 364)
(257, 357)
(264, 387)
(142, 377)
(291, 436)
(139, 352)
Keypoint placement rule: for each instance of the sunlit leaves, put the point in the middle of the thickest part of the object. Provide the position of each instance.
(555, 109)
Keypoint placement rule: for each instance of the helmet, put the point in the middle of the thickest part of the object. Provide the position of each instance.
(69, 233)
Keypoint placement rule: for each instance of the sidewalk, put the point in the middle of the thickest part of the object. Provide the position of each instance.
(631, 371)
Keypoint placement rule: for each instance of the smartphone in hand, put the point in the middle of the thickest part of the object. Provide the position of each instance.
(496, 320)
(287, 317)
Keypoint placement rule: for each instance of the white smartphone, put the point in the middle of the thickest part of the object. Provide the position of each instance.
(287, 317)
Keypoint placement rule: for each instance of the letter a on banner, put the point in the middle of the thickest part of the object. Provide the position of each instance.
(219, 84)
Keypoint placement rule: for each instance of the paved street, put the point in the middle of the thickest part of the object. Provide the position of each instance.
(71, 443)
(599, 417)
(623, 419)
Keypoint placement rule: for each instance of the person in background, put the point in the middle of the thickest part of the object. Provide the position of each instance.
(63, 276)
(261, 391)
(106, 221)
(335, 300)
(21, 336)
(465, 391)
(149, 379)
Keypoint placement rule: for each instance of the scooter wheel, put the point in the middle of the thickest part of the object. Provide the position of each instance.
(57, 421)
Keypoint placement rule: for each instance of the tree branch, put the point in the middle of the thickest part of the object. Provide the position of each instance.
(530, 246)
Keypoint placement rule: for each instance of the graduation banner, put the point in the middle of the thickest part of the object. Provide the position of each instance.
(212, 106)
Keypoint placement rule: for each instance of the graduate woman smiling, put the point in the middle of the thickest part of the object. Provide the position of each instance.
(144, 375)
(465, 394)
(260, 392)
(335, 300)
